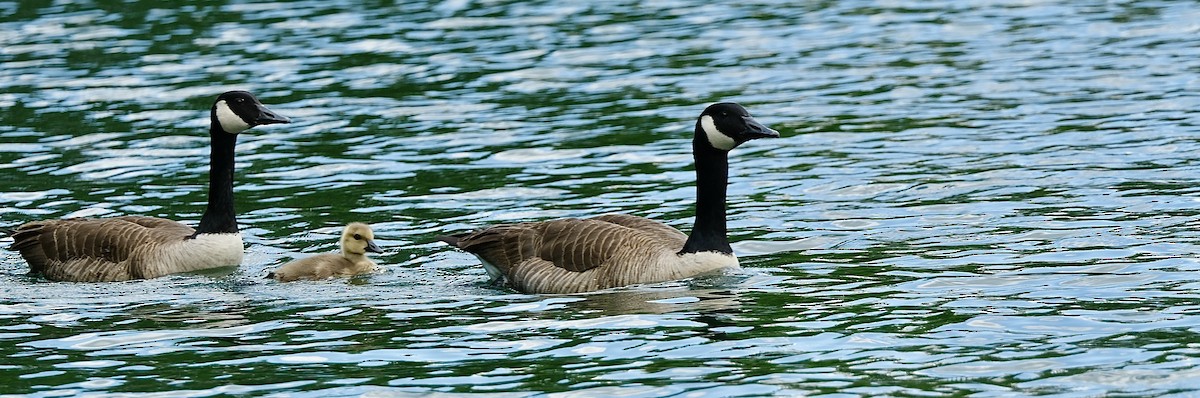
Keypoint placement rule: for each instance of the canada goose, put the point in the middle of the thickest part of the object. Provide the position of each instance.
(580, 255)
(357, 240)
(138, 247)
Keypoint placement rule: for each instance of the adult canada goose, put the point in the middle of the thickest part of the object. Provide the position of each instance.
(580, 255)
(137, 247)
(357, 240)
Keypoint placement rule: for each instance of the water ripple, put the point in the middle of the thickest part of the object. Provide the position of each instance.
(970, 198)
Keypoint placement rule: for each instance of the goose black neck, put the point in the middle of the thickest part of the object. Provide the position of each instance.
(219, 216)
(712, 177)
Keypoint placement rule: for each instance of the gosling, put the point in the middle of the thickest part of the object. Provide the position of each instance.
(357, 240)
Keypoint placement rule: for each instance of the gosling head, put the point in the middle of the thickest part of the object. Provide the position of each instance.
(237, 111)
(726, 125)
(358, 239)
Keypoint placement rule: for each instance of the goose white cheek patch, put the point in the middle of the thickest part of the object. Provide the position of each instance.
(715, 137)
(230, 122)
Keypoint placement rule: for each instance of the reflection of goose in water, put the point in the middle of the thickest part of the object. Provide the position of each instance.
(659, 300)
(175, 328)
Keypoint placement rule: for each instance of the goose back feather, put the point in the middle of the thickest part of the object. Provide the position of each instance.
(580, 255)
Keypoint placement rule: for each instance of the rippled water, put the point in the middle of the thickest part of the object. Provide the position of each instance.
(985, 198)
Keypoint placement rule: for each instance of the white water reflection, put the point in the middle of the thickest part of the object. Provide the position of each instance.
(970, 198)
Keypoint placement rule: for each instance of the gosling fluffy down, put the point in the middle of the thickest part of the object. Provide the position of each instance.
(357, 240)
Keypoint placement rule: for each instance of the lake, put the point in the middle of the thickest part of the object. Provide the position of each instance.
(970, 198)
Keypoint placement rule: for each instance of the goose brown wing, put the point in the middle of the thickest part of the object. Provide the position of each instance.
(572, 244)
(503, 246)
(666, 233)
(580, 245)
(92, 248)
(160, 224)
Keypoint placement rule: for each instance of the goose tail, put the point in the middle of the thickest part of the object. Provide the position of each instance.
(452, 240)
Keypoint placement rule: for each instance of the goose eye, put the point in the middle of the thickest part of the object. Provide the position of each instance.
(357, 237)
(241, 100)
(724, 113)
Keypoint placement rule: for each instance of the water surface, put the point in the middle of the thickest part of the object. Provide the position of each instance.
(982, 198)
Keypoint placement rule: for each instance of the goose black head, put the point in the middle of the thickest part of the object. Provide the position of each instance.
(727, 125)
(236, 111)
